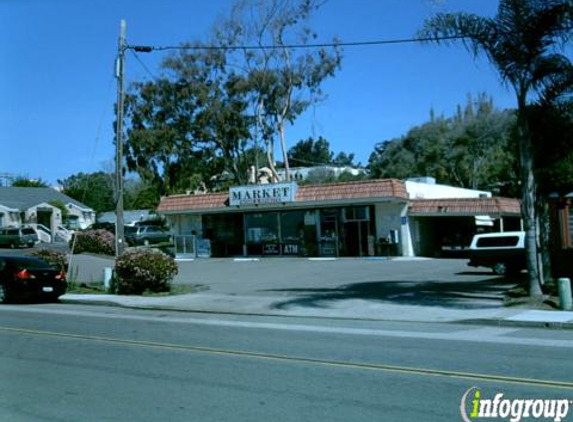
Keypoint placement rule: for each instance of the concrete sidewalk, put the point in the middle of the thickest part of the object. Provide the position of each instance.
(208, 302)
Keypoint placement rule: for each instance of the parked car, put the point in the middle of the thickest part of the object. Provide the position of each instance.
(503, 252)
(15, 237)
(146, 235)
(110, 227)
(27, 277)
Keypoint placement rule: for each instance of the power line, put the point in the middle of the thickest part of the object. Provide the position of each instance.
(148, 49)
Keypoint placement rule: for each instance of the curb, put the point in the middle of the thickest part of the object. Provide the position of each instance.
(523, 324)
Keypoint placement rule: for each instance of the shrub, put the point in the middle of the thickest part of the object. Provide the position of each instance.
(140, 270)
(56, 259)
(99, 242)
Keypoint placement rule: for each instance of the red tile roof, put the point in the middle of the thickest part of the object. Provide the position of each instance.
(385, 188)
(465, 206)
(193, 202)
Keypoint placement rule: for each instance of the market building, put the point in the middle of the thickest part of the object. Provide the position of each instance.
(365, 218)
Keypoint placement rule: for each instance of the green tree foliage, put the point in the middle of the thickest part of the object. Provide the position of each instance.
(92, 189)
(552, 129)
(139, 195)
(471, 149)
(522, 41)
(343, 159)
(23, 182)
(96, 190)
(315, 153)
(310, 153)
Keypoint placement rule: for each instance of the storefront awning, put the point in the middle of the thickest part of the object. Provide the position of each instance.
(309, 195)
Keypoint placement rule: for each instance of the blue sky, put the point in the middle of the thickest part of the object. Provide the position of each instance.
(57, 89)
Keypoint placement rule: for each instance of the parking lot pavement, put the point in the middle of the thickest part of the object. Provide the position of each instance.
(303, 282)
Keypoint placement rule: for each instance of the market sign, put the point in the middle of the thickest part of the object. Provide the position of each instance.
(262, 194)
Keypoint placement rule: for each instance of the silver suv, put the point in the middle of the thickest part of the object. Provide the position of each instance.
(15, 237)
(147, 235)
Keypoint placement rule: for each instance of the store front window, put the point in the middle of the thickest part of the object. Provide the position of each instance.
(298, 233)
(225, 233)
(262, 233)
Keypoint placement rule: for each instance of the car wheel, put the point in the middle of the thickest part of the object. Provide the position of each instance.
(146, 242)
(30, 245)
(12, 245)
(500, 268)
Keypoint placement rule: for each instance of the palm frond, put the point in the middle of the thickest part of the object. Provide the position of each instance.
(553, 78)
(477, 33)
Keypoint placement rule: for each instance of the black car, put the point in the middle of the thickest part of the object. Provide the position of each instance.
(27, 277)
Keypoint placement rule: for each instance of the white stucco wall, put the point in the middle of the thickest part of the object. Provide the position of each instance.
(85, 217)
(394, 217)
(9, 217)
(417, 190)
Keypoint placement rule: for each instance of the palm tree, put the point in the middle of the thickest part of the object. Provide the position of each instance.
(522, 41)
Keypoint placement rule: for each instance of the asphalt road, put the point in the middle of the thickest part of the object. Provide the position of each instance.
(73, 363)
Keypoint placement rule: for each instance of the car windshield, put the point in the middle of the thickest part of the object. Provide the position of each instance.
(130, 229)
(28, 231)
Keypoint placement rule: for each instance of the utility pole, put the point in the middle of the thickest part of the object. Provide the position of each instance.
(120, 67)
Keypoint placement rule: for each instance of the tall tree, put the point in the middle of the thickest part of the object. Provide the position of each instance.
(187, 125)
(283, 81)
(521, 42)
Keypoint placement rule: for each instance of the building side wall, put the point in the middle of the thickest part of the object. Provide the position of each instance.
(85, 218)
(393, 217)
(9, 218)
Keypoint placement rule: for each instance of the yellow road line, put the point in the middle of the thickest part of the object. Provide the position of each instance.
(304, 360)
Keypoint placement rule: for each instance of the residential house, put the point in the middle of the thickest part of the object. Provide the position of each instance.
(35, 206)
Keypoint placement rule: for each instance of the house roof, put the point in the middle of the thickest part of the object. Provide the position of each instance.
(465, 206)
(23, 198)
(384, 188)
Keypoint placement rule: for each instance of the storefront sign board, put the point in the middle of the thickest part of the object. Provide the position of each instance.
(262, 194)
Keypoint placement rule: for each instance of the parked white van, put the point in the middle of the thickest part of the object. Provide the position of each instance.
(503, 252)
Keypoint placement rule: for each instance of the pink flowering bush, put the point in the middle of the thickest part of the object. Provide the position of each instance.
(140, 270)
(100, 242)
(56, 259)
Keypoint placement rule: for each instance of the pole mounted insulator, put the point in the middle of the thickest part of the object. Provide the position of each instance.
(142, 49)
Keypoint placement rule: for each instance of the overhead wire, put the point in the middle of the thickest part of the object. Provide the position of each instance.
(148, 49)
(149, 72)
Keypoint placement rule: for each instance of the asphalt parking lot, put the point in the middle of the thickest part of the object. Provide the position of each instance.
(304, 282)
